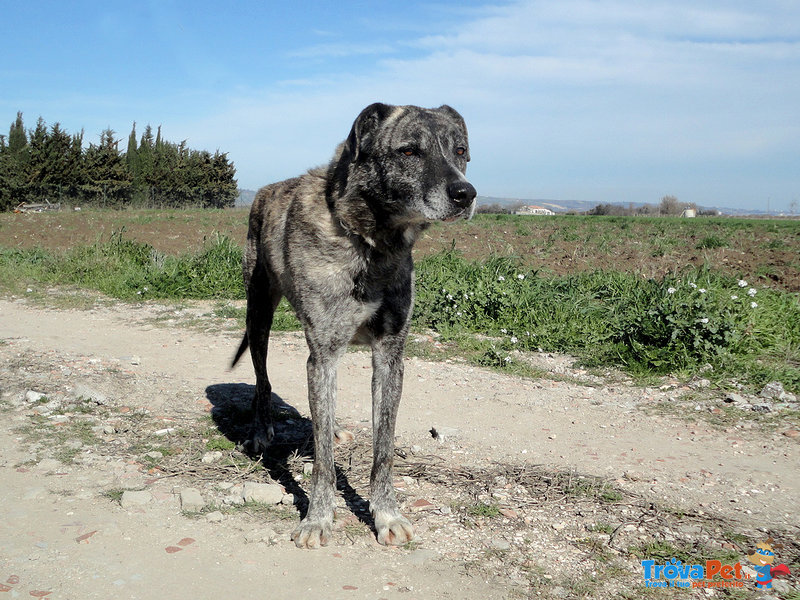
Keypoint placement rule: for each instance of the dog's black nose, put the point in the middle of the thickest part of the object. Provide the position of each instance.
(461, 193)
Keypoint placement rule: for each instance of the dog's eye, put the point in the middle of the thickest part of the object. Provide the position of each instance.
(408, 151)
(461, 151)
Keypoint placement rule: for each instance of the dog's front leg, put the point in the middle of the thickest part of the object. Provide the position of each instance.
(315, 529)
(387, 386)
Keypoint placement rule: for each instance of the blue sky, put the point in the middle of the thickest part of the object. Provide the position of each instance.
(571, 99)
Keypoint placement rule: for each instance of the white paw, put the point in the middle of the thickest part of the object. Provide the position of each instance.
(393, 528)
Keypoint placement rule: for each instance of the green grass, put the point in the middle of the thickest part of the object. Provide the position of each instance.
(487, 310)
(481, 509)
(676, 323)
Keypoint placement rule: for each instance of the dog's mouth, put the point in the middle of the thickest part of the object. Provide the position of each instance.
(465, 213)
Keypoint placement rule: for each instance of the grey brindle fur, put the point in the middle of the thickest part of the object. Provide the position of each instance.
(337, 243)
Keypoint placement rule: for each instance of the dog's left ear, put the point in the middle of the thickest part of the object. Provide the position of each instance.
(364, 128)
(449, 110)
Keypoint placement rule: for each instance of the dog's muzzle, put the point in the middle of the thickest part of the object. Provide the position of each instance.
(461, 193)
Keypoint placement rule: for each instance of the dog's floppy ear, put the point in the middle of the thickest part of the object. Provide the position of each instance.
(449, 110)
(365, 125)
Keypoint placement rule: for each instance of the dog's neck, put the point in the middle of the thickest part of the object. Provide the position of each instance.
(352, 207)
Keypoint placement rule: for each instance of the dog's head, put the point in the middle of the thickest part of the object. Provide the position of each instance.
(406, 164)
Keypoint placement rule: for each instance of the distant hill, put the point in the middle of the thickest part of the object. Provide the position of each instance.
(558, 206)
(562, 206)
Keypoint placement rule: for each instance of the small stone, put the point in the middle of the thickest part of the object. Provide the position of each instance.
(420, 505)
(500, 544)
(50, 464)
(33, 396)
(792, 433)
(415, 449)
(214, 517)
(288, 499)
(163, 432)
(509, 513)
(308, 468)
(191, 500)
(82, 392)
(155, 455)
(267, 536)
(211, 457)
(734, 398)
(52, 405)
(442, 433)
(265, 493)
(559, 526)
(632, 475)
(773, 389)
(135, 360)
(132, 499)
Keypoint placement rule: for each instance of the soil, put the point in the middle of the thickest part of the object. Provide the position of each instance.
(553, 488)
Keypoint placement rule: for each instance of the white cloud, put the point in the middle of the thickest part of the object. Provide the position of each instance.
(601, 100)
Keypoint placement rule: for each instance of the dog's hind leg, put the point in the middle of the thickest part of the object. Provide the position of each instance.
(262, 299)
(387, 386)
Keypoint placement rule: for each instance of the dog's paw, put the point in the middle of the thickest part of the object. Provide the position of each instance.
(343, 436)
(393, 528)
(260, 439)
(312, 533)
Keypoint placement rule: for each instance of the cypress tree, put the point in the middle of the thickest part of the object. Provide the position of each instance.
(132, 155)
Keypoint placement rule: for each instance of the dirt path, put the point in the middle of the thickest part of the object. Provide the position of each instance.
(63, 531)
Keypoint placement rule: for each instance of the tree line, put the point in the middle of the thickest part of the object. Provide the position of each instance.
(669, 206)
(48, 163)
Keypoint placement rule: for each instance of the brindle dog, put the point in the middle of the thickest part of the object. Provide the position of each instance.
(337, 243)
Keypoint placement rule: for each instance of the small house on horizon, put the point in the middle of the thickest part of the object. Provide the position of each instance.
(533, 210)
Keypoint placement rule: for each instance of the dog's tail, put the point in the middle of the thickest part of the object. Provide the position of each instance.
(240, 351)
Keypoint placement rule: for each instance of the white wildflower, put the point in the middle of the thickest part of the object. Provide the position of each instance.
(504, 331)
(754, 305)
(507, 359)
(751, 292)
(459, 313)
(501, 278)
(693, 285)
(449, 296)
(734, 297)
(704, 320)
(671, 290)
(702, 290)
(742, 283)
(520, 276)
(514, 339)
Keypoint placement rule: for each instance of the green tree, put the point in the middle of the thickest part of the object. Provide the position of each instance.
(109, 182)
(14, 158)
(132, 154)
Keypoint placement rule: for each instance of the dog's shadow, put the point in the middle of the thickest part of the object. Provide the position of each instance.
(232, 414)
